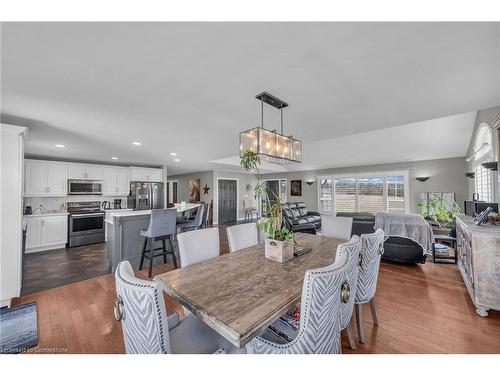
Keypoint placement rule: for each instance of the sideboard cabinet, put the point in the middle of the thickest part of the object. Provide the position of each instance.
(479, 262)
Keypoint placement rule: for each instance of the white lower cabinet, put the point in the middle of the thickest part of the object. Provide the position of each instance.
(46, 232)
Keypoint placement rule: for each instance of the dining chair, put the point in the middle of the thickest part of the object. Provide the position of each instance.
(250, 210)
(140, 307)
(161, 228)
(242, 236)
(198, 246)
(372, 250)
(197, 223)
(325, 291)
(336, 226)
(353, 247)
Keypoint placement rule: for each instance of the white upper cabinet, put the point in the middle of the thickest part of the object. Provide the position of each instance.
(43, 178)
(85, 171)
(115, 181)
(35, 179)
(146, 174)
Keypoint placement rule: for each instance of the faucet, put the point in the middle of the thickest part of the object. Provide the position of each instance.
(38, 208)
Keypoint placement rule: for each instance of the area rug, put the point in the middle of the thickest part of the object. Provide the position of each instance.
(18, 328)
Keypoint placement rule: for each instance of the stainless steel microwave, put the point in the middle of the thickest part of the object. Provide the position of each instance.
(84, 187)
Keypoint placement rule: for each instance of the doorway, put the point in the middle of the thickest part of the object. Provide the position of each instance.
(227, 205)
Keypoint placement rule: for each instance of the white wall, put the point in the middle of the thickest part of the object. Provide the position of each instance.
(446, 175)
(11, 192)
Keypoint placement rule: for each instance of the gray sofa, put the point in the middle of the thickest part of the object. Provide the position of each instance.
(396, 249)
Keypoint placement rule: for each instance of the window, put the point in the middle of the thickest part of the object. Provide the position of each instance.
(483, 154)
(345, 194)
(325, 195)
(367, 192)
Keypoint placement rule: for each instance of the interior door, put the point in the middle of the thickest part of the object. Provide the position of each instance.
(227, 201)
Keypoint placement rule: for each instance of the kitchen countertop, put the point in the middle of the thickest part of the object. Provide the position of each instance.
(47, 214)
(128, 213)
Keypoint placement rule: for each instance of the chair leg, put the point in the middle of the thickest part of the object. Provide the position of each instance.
(172, 249)
(151, 257)
(350, 335)
(164, 251)
(359, 322)
(374, 313)
(143, 252)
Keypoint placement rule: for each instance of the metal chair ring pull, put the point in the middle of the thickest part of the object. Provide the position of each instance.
(118, 308)
(345, 292)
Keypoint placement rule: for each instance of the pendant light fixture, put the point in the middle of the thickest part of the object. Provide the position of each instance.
(271, 146)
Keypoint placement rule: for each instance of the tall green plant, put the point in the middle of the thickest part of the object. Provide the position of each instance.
(439, 210)
(272, 226)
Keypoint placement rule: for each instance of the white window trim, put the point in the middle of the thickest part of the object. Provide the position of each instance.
(383, 174)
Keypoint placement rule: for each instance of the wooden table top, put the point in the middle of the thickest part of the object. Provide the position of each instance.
(240, 293)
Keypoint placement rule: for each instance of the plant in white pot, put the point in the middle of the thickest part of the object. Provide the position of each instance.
(279, 239)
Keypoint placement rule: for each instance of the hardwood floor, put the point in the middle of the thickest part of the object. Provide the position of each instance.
(421, 309)
(53, 268)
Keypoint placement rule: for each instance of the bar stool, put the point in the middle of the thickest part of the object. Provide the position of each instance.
(162, 226)
(197, 223)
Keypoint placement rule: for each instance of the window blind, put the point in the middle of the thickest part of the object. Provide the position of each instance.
(345, 194)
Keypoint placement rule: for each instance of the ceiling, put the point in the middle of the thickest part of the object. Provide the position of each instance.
(189, 88)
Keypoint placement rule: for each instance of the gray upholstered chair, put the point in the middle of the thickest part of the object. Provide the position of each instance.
(161, 227)
(250, 210)
(146, 328)
(337, 227)
(242, 236)
(198, 221)
(353, 247)
(325, 292)
(372, 250)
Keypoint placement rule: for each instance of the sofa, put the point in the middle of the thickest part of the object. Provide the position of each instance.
(298, 218)
(396, 249)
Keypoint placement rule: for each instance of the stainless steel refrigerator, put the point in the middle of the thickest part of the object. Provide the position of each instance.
(145, 195)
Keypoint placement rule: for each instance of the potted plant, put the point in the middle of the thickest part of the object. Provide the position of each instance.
(439, 213)
(279, 239)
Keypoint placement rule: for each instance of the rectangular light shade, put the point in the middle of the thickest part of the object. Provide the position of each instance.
(271, 146)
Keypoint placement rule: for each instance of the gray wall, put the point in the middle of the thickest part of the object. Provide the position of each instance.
(206, 177)
(445, 175)
(488, 116)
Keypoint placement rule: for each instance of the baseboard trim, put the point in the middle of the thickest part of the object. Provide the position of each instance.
(45, 248)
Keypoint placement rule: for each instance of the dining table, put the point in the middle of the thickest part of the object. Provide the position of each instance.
(240, 293)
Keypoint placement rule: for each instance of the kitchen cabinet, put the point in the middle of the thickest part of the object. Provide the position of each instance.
(146, 174)
(45, 179)
(115, 181)
(85, 171)
(45, 232)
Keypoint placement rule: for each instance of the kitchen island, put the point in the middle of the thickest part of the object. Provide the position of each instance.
(124, 241)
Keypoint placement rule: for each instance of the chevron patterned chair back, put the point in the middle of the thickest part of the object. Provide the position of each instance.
(141, 308)
(372, 250)
(324, 293)
(370, 264)
(353, 247)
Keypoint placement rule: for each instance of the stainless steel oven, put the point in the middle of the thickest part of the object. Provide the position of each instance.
(84, 187)
(85, 224)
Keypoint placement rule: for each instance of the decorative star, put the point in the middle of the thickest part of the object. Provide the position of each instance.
(206, 189)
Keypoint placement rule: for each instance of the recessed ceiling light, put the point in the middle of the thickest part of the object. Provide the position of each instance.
(135, 143)
(114, 158)
(173, 153)
(61, 146)
(177, 159)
